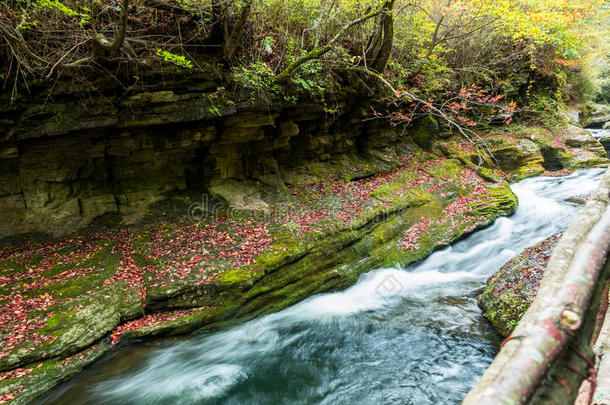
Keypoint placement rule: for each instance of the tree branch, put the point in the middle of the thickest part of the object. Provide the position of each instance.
(319, 52)
(103, 43)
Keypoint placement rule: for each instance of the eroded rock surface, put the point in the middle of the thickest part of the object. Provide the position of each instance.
(512, 289)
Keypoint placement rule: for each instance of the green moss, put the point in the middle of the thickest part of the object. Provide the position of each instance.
(105, 263)
(510, 291)
(50, 372)
(506, 313)
(424, 131)
(388, 235)
(237, 276)
(12, 266)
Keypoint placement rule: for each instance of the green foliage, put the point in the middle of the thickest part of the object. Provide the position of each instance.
(512, 47)
(309, 79)
(84, 16)
(218, 101)
(57, 5)
(603, 92)
(174, 59)
(25, 24)
(257, 78)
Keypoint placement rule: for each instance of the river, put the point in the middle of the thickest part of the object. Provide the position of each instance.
(409, 335)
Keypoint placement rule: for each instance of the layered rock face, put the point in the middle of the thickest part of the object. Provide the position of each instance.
(65, 164)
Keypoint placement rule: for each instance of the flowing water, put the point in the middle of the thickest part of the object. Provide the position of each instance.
(399, 336)
(602, 135)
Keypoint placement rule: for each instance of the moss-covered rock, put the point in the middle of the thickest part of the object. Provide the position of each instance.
(511, 290)
(521, 157)
(21, 386)
(594, 115)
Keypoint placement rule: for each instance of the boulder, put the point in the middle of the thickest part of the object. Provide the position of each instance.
(580, 199)
(511, 290)
(519, 156)
(605, 141)
(423, 131)
(240, 197)
(578, 138)
(594, 115)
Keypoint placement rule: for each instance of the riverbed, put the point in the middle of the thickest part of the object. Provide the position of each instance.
(409, 335)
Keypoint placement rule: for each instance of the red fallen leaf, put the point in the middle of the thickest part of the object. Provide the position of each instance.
(411, 239)
(10, 395)
(16, 373)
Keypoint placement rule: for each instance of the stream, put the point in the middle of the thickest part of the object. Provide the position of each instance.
(409, 335)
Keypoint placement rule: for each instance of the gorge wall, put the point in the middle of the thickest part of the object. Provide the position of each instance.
(69, 157)
(65, 163)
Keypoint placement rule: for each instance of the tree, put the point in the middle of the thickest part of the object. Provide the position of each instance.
(101, 45)
(318, 51)
(380, 44)
(233, 40)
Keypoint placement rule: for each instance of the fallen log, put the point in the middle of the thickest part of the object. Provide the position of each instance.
(601, 392)
(557, 312)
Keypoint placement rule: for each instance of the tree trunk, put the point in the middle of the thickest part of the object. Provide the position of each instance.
(381, 59)
(381, 42)
(234, 39)
(101, 45)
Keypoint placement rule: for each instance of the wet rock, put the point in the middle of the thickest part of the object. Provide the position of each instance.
(580, 199)
(605, 141)
(511, 290)
(571, 148)
(521, 157)
(73, 332)
(594, 115)
(578, 138)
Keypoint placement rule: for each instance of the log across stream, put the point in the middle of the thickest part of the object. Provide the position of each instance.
(409, 336)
